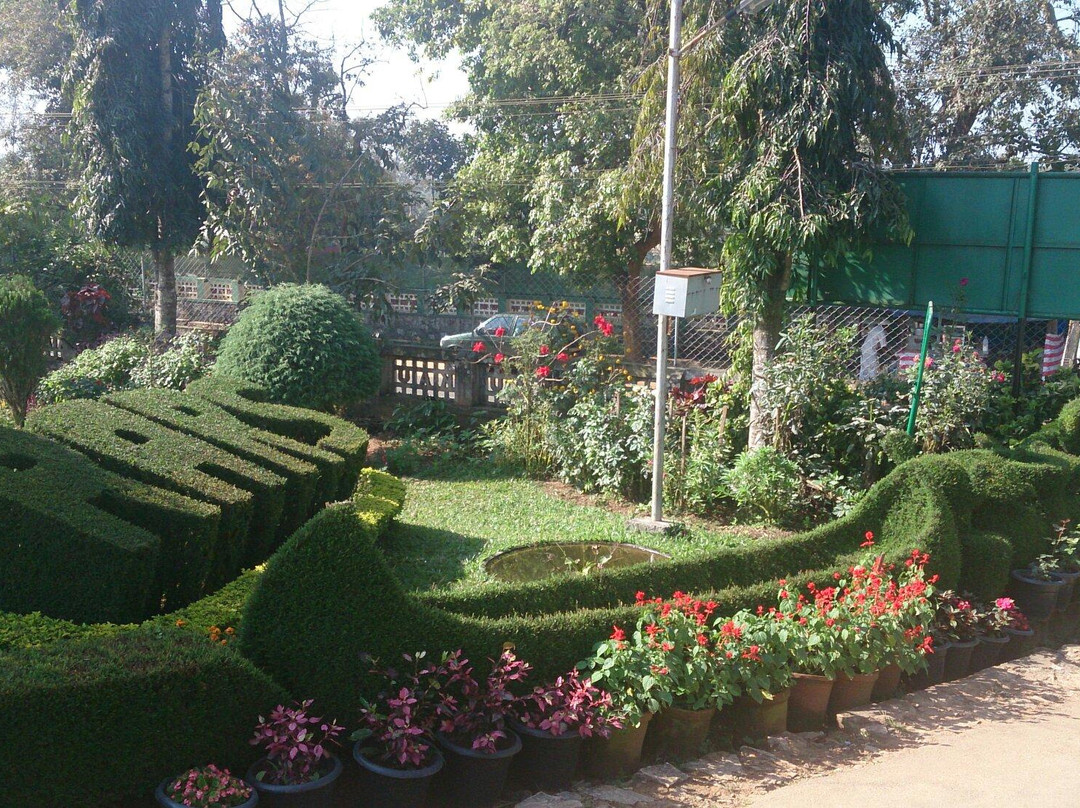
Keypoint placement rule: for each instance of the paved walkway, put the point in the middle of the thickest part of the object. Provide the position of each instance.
(1009, 736)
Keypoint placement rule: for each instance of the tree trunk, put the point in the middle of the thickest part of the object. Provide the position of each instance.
(165, 296)
(635, 336)
(766, 335)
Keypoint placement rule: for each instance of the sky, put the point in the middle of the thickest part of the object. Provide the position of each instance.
(393, 78)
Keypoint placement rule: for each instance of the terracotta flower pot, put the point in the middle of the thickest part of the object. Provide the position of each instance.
(987, 653)
(850, 692)
(1021, 643)
(1035, 598)
(618, 755)
(958, 661)
(756, 721)
(315, 794)
(808, 703)
(547, 762)
(680, 732)
(887, 684)
(471, 778)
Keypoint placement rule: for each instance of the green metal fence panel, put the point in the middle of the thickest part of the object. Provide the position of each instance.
(968, 251)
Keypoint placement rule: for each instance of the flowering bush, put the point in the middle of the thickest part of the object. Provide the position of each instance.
(760, 648)
(208, 787)
(956, 393)
(691, 659)
(955, 619)
(1017, 619)
(295, 744)
(570, 704)
(992, 619)
(472, 713)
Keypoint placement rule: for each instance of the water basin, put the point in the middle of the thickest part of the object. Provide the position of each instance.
(538, 561)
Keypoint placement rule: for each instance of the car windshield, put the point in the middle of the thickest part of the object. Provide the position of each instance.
(514, 324)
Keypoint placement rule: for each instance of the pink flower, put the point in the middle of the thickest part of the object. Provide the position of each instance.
(999, 376)
(500, 332)
(478, 347)
(929, 362)
(544, 350)
(563, 356)
(543, 372)
(499, 358)
(963, 281)
(956, 347)
(1005, 604)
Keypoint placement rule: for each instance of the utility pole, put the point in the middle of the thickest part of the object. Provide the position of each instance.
(671, 124)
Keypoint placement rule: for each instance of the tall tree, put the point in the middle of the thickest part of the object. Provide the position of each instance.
(989, 80)
(787, 118)
(542, 185)
(135, 73)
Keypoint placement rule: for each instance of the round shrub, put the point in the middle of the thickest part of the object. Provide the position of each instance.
(765, 485)
(26, 323)
(305, 346)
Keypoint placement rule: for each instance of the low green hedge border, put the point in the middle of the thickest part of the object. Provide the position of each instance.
(250, 497)
(247, 402)
(63, 519)
(92, 721)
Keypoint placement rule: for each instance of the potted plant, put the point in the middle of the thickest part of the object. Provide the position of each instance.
(298, 770)
(697, 672)
(816, 653)
(906, 614)
(1036, 588)
(552, 722)
(473, 736)
(1021, 634)
(206, 787)
(395, 746)
(1065, 550)
(991, 621)
(628, 670)
(955, 619)
(761, 651)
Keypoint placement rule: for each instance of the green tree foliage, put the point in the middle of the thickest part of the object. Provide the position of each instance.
(989, 80)
(134, 75)
(26, 323)
(305, 345)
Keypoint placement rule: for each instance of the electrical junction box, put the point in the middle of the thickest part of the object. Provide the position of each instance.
(687, 292)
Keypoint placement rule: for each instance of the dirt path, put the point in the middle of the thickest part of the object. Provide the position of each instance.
(1007, 736)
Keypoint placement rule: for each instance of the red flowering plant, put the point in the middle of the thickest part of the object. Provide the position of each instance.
(208, 787)
(398, 725)
(955, 619)
(569, 704)
(473, 713)
(692, 659)
(1017, 619)
(295, 744)
(630, 670)
(760, 648)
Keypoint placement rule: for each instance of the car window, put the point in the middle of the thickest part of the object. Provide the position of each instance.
(520, 324)
(493, 323)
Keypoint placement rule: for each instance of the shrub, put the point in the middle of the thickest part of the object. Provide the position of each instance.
(251, 498)
(765, 485)
(26, 323)
(955, 397)
(94, 372)
(81, 543)
(184, 359)
(206, 421)
(305, 346)
(248, 403)
(133, 709)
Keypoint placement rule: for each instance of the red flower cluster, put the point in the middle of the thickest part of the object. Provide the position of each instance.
(606, 328)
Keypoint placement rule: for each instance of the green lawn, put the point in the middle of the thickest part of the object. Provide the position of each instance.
(451, 526)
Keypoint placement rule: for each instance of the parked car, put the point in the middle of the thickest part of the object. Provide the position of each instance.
(462, 344)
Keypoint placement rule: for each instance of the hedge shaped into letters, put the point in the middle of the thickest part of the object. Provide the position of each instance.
(250, 497)
(207, 421)
(66, 526)
(247, 402)
(89, 722)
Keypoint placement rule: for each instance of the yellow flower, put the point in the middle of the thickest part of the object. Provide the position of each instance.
(181, 623)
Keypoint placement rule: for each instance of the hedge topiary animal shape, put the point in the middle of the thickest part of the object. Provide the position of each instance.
(247, 402)
(67, 525)
(251, 498)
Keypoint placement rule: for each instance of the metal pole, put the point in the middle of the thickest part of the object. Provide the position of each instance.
(928, 324)
(666, 219)
(1025, 278)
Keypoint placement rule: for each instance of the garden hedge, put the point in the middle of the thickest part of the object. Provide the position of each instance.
(66, 526)
(251, 498)
(248, 402)
(207, 421)
(89, 722)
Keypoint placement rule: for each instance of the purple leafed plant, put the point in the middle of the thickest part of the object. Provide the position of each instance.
(570, 704)
(472, 713)
(294, 743)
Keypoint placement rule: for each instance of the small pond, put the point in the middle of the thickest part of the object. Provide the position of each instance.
(538, 561)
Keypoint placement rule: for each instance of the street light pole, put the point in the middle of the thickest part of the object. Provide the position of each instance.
(671, 125)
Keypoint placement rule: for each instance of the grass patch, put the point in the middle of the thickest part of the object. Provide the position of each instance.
(452, 524)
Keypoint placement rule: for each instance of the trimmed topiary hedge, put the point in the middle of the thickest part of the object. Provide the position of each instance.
(207, 421)
(89, 722)
(250, 497)
(248, 403)
(66, 526)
